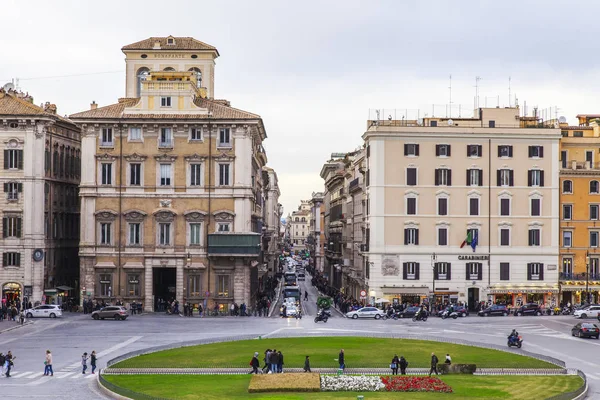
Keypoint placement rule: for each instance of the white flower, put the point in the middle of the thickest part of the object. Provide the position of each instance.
(351, 383)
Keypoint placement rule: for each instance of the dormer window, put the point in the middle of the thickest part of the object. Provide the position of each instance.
(170, 41)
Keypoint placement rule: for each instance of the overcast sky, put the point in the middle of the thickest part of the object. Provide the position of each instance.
(313, 69)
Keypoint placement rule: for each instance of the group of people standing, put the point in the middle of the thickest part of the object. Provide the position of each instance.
(6, 363)
(273, 362)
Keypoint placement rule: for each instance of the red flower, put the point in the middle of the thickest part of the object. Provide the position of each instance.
(415, 384)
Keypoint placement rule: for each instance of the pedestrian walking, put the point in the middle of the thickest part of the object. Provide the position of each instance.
(84, 359)
(200, 310)
(267, 360)
(434, 362)
(395, 364)
(48, 364)
(254, 363)
(274, 361)
(8, 363)
(305, 295)
(448, 360)
(279, 362)
(93, 359)
(22, 317)
(341, 360)
(307, 364)
(403, 365)
(2, 361)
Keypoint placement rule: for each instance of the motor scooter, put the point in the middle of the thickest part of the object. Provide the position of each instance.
(420, 316)
(321, 316)
(516, 341)
(447, 314)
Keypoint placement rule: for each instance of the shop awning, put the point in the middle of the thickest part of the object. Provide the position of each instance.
(50, 291)
(64, 288)
(407, 291)
(591, 288)
(522, 290)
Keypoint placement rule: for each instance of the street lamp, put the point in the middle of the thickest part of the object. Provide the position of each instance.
(433, 258)
(587, 275)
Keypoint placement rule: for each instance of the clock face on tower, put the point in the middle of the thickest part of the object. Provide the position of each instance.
(38, 255)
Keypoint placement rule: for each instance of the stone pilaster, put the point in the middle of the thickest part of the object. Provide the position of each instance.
(241, 283)
(179, 281)
(148, 297)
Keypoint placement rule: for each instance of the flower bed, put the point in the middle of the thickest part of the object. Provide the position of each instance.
(415, 384)
(351, 383)
(284, 383)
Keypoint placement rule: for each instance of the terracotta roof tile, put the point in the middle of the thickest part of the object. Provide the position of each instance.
(11, 104)
(181, 43)
(107, 112)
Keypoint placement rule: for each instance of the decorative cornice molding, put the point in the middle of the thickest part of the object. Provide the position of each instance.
(106, 215)
(195, 215)
(194, 157)
(165, 157)
(106, 157)
(134, 215)
(135, 157)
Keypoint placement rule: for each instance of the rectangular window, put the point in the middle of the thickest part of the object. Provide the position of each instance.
(105, 285)
(433, 123)
(106, 170)
(11, 227)
(474, 150)
(443, 177)
(594, 212)
(474, 206)
(535, 177)
(164, 234)
(505, 151)
(442, 236)
(194, 288)
(165, 139)
(225, 227)
(442, 206)
(577, 133)
(13, 159)
(567, 211)
(534, 237)
(504, 177)
(563, 159)
(195, 174)
(593, 238)
(474, 271)
(411, 206)
(133, 285)
(223, 285)
(504, 271)
(442, 271)
(224, 137)
(504, 237)
(536, 152)
(135, 174)
(411, 176)
(105, 234)
(535, 271)
(11, 259)
(491, 123)
(474, 177)
(165, 174)
(567, 268)
(411, 270)
(107, 137)
(135, 234)
(12, 190)
(411, 236)
(505, 207)
(195, 231)
(196, 134)
(135, 133)
(442, 150)
(165, 101)
(224, 175)
(411, 149)
(536, 207)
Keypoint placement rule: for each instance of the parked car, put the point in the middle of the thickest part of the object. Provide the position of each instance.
(44, 311)
(409, 312)
(528, 309)
(494, 310)
(116, 312)
(585, 329)
(592, 311)
(462, 311)
(366, 312)
(301, 276)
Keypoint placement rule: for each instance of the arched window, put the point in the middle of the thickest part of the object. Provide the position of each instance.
(297, 219)
(567, 187)
(169, 69)
(142, 74)
(594, 187)
(303, 220)
(198, 76)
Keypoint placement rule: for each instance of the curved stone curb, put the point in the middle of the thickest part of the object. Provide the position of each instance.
(16, 326)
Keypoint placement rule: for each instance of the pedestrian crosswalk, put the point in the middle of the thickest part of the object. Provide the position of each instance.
(15, 375)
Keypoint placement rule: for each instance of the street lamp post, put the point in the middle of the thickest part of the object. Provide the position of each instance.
(433, 258)
(587, 275)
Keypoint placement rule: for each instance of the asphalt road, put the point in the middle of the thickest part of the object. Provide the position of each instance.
(309, 307)
(70, 336)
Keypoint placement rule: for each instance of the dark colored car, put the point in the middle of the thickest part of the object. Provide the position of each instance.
(528, 309)
(585, 329)
(462, 311)
(116, 312)
(409, 312)
(494, 310)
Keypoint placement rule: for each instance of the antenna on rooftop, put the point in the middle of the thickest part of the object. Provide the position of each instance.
(477, 79)
(509, 98)
(450, 89)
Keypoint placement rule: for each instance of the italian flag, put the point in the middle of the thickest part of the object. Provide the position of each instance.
(468, 240)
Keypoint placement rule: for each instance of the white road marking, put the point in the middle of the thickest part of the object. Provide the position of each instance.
(66, 375)
(20, 374)
(276, 331)
(111, 349)
(35, 375)
(592, 377)
(90, 376)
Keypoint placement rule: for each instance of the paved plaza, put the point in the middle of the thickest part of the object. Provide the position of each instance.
(74, 334)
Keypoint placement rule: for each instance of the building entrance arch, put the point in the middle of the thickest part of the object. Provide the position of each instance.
(11, 291)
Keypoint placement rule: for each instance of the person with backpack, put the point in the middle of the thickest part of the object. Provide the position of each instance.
(403, 365)
(254, 363)
(434, 363)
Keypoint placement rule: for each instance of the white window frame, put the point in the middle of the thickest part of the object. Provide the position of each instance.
(159, 234)
(411, 196)
(130, 136)
(167, 133)
(568, 264)
(189, 172)
(475, 176)
(165, 101)
(597, 212)
(474, 272)
(505, 177)
(597, 185)
(597, 234)
(535, 271)
(112, 173)
(227, 144)
(411, 270)
(437, 204)
(477, 148)
(104, 133)
(443, 171)
(416, 175)
(500, 228)
(541, 199)
(563, 186)
(159, 176)
(218, 174)
(538, 228)
(197, 130)
(537, 147)
(442, 266)
(411, 235)
(129, 164)
(593, 157)
(507, 147)
(444, 146)
(413, 147)
(223, 227)
(469, 198)
(108, 228)
(190, 234)
(140, 233)
(536, 177)
(12, 192)
(437, 235)
(570, 208)
(13, 259)
(14, 159)
(504, 197)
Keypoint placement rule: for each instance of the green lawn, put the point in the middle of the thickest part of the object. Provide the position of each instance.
(360, 353)
(234, 387)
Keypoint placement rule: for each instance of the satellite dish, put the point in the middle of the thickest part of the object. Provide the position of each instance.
(8, 86)
(389, 117)
(562, 120)
(420, 121)
(450, 122)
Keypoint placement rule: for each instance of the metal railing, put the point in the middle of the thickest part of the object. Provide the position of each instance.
(579, 277)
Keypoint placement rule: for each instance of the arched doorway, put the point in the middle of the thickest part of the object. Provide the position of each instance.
(198, 76)
(11, 291)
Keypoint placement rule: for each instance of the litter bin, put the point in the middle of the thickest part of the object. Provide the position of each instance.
(340, 372)
(360, 397)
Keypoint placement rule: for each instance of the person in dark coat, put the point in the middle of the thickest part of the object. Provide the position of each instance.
(341, 360)
(394, 365)
(274, 361)
(434, 362)
(307, 364)
(279, 362)
(254, 364)
(403, 365)
(267, 360)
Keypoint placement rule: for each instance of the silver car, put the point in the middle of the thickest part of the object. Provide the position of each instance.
(366, 312)
(116, 312)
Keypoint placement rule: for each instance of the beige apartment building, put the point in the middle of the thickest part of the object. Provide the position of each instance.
(172, 187)
(432, 184)
(316, 238)
(299, 221)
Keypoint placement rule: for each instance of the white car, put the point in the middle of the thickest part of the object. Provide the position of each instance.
(45, 310)
(592, 311)
(291, 311)
(366, 312)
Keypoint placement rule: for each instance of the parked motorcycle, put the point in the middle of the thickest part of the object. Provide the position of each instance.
(448, 314)
(516, 341)
(421, 316)
(566, 311)
(321, 316)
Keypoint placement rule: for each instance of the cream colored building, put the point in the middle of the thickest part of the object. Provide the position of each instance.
(172, 185)
(428, 184)
(316, 231)
(40, 206)
(299, 222)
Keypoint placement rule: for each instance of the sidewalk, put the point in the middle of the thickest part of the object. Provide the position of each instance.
(7, 326)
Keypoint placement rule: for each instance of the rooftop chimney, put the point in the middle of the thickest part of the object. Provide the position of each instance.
(50, 108)
(94, 105)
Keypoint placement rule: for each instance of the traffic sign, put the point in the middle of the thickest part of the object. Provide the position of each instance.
(363, 293)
